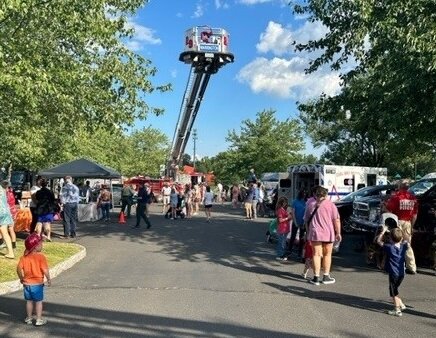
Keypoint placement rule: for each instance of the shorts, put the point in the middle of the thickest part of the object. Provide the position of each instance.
(34, 292)
(394, 284)
(208, 206)
(47, 218)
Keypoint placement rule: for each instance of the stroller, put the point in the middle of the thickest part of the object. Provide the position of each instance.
(180, 209)
(271, 233)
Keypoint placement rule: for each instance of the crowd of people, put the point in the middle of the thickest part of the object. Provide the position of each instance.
(318, 223)
(310, 216)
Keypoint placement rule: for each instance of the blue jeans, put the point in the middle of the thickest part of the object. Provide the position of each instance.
(105, 208)
(281, 244)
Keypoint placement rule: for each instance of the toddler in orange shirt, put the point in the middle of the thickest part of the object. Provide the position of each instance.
(31, 269)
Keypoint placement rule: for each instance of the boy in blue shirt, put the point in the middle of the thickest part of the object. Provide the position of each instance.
(395, 265)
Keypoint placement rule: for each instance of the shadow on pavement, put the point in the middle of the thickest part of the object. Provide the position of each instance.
(346, 299)
(72, 321)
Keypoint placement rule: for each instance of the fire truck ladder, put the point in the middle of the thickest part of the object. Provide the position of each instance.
(203, 65)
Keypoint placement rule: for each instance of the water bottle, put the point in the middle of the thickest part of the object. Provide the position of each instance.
(336, 245)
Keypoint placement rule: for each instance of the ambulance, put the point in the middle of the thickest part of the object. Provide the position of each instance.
(337, 179)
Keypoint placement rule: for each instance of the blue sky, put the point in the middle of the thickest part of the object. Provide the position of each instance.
(266, 74)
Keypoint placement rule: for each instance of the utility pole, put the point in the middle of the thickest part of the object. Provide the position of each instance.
(194, 137)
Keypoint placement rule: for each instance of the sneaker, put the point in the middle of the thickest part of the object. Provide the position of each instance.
(40, 322)
(149, 226)
(328, 280)
(314, 280)
(28, 320)
(403, 307)
(283, 259)
(304, 275)
(395, 312)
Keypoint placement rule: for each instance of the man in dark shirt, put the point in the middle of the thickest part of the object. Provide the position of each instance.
(143, 199)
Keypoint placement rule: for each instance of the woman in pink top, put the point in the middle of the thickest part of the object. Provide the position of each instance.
(323, 227)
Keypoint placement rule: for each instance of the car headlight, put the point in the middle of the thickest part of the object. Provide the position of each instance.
(374, 214)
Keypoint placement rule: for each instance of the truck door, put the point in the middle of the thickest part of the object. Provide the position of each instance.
(285, 188)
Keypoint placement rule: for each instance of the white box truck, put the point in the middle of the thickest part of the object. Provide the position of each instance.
(339, 180)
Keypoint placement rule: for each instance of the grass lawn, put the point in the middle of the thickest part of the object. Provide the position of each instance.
(55, 252)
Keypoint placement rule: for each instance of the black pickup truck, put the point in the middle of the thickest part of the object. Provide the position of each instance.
(367, 215)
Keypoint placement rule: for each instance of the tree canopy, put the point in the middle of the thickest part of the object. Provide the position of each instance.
(265, 144)
(386, 51)
(64, 66)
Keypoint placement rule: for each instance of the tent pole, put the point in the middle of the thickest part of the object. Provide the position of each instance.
(112, 193)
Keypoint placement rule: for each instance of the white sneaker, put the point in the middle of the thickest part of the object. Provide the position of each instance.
(28, 320)
(395, 312)
(40, 322)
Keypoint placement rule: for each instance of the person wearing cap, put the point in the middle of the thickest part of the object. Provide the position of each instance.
(405, 205)
(6, 222)
(31, 270)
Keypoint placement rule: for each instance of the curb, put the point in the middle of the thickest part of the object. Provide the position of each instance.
(9, 287)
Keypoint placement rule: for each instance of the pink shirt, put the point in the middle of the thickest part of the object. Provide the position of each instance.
(283, 227)
(322, 225)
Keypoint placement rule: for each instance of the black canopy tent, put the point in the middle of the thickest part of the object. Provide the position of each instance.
(80, 168)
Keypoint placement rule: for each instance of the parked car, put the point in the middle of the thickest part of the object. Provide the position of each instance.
(345, 204)
(367, 218)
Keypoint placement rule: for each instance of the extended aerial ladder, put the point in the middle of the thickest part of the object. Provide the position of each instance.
(206, 50)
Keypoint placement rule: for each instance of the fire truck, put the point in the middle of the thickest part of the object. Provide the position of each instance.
(206, 50)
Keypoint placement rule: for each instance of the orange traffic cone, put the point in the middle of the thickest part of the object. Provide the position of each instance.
(122, 218)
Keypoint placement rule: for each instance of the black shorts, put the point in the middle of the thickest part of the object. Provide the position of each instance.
(208, 206)
(394, 284)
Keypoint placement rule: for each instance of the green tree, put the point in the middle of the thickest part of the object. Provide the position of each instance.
(390, 91)
(265, 144)
(64, 64)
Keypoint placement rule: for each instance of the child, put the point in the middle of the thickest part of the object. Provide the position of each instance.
(308, 254)
(31, 270)
(283, 228)
(395, 260)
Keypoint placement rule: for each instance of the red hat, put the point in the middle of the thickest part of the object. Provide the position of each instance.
(32, 242)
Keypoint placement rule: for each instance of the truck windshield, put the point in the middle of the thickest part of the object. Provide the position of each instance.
(420, 187)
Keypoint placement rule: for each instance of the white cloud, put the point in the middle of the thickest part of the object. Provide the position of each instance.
(142, 36)
(275, 39)
(285, 78)
(198, 11)
(221, 4)
(278, 39)
(284, 74)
